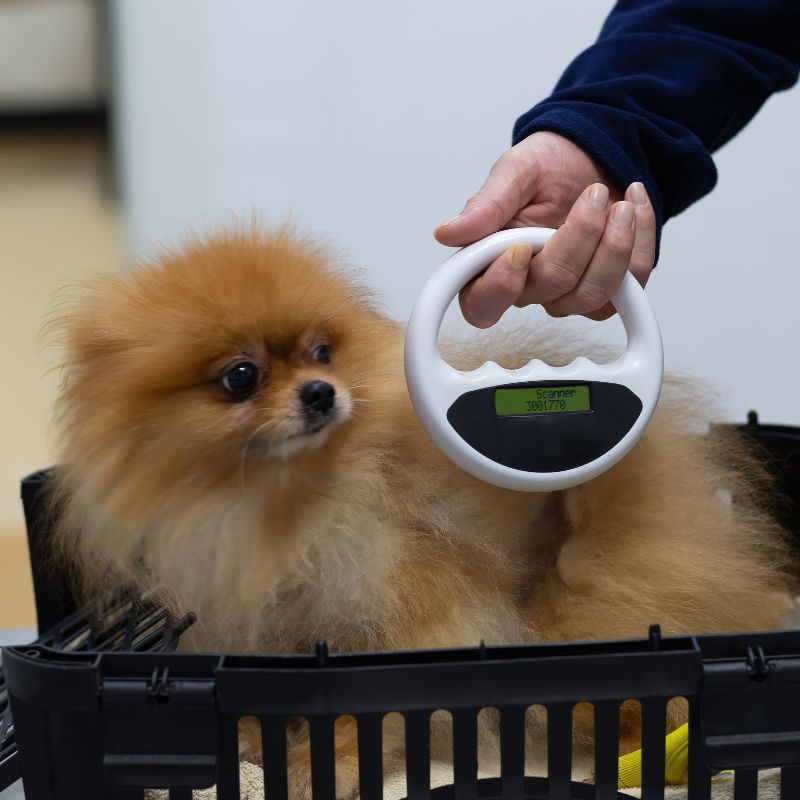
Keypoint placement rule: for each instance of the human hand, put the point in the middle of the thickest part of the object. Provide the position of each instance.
(548, 181)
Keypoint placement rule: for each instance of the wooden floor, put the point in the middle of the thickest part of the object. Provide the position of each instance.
(57, 226)
(17, 609)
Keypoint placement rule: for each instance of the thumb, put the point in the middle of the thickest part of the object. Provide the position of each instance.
(507, 189)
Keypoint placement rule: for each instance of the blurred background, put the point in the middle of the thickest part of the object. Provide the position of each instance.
(125, 125)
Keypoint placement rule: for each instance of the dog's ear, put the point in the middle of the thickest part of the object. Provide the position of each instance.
(99, 336)
(89, 326)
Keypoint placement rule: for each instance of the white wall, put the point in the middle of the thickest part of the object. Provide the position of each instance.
(372, 122)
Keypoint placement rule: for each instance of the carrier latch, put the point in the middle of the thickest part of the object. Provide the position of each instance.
(756, 693)
(159, 705)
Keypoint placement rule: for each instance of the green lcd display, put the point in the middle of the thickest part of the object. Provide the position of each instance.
(541, 400)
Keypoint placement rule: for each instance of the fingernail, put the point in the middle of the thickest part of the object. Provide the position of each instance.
(521, 255)
(445, 224)
(598, 195)
(461, 213)
(622, 214)
(638, 194)
(453, 219)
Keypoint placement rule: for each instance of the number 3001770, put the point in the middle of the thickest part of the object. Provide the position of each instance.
(546, 405)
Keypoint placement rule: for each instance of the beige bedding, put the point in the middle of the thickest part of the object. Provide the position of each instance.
(252, 785)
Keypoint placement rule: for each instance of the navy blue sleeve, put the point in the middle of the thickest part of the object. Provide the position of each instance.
(666, 84)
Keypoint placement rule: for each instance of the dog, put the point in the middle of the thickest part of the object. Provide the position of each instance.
(236, 435)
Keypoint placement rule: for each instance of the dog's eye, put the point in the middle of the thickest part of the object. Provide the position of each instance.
(241, 380)
(321, 354)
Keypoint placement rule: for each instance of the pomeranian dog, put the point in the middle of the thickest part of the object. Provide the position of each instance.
(236, 434)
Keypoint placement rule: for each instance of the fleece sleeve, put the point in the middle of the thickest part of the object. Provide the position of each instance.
(667, 83)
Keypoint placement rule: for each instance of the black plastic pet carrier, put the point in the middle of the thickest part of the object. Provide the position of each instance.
(105, 709)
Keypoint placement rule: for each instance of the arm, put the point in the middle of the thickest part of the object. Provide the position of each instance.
(667, 83)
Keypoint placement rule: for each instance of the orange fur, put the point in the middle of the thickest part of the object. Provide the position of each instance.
(364, 534)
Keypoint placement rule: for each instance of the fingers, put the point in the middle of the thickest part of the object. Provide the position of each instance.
(557, 269)
(606, 268)
(486, 298)
(644, 248)
(507, 189)
(581, 266)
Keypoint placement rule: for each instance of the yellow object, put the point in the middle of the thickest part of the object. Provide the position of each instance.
(676, 762)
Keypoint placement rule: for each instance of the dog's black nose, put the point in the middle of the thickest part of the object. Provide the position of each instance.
(317, 396)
